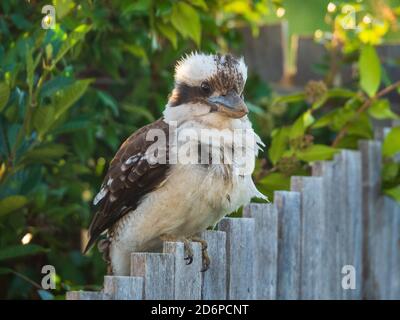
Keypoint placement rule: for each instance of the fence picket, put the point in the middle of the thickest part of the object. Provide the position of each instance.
(266, 248)
(214, 279)
(123, 288)
(187, 278)
(312, 278)
(157, 270)
(240, 245)
(288, 278)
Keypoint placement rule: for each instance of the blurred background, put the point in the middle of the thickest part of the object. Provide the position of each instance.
(322, 75)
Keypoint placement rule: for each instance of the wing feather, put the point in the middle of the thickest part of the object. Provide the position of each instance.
(129, 178)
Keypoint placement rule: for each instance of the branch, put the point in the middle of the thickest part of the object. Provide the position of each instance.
(363, 108)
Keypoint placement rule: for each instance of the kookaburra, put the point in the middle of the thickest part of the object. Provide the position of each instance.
(143, 202)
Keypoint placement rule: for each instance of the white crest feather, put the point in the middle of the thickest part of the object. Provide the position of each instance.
(196, 67)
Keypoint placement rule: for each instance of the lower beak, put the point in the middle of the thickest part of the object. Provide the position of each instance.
(230, 104)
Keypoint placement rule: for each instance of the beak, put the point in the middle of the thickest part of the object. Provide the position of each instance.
(230, 104)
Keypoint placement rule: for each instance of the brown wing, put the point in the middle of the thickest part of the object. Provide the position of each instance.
(130, 176)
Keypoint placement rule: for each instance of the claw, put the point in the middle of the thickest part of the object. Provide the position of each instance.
(204, 253)
(206, 260)
(187, 246)
(190, 260)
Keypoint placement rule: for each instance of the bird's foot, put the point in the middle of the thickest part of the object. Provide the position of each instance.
(104, 248)
(187, 246)
(204, 253)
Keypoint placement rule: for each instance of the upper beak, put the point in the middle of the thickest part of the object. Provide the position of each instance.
(231, 104)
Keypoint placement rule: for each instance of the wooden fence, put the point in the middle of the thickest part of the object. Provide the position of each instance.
(304, 245)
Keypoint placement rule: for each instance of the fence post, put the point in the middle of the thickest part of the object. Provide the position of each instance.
(288, 277)
(266, 248)
(371, 182)
(123, 288)
(157, 270)
(328, 170)
(394, 281)
(312, 278)
(351, 216)
(240, 257)
(214, 279)
(187, 278)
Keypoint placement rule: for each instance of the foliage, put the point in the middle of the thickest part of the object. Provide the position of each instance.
(70, 95)
(329, 118)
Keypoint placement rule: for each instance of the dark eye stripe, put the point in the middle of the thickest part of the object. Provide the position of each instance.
(184, 93)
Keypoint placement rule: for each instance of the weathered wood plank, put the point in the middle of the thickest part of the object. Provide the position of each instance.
(395, 252)
(157, 270)
(123, 288)
(84, 295)
(312, 278)
(265, 54)
(351, 170)
(240, 247)
(372, 224)
(288, 277)
(214, 279)
(266, 248)
(328, 171)
(187, 278)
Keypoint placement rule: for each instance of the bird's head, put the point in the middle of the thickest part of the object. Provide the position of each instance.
(208, 84)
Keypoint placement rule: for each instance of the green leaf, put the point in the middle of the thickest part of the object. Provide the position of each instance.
(109, 101)
(361, 127)
(45, 153)
(325, 120)
(17, 251)
(12, 203)
(4, 95)
(320, 102)
(340, 93)
(295, 97)
(390, 170)
(137, 51)
(316, 152)
(301, 124)
(279, 144)
(199, 3)
(394, 193)
(169, 32)
(391, 144)
(342, 117)
(43, 119)
(139, 6)
(186, 21)
(380, 109)
(30, 68)
(77, 35)
(276, 181)
(370, 70)
(140, 112)
(63, 7)
(69, 96)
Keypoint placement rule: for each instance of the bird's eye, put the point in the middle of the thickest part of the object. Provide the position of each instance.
(205, 87)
